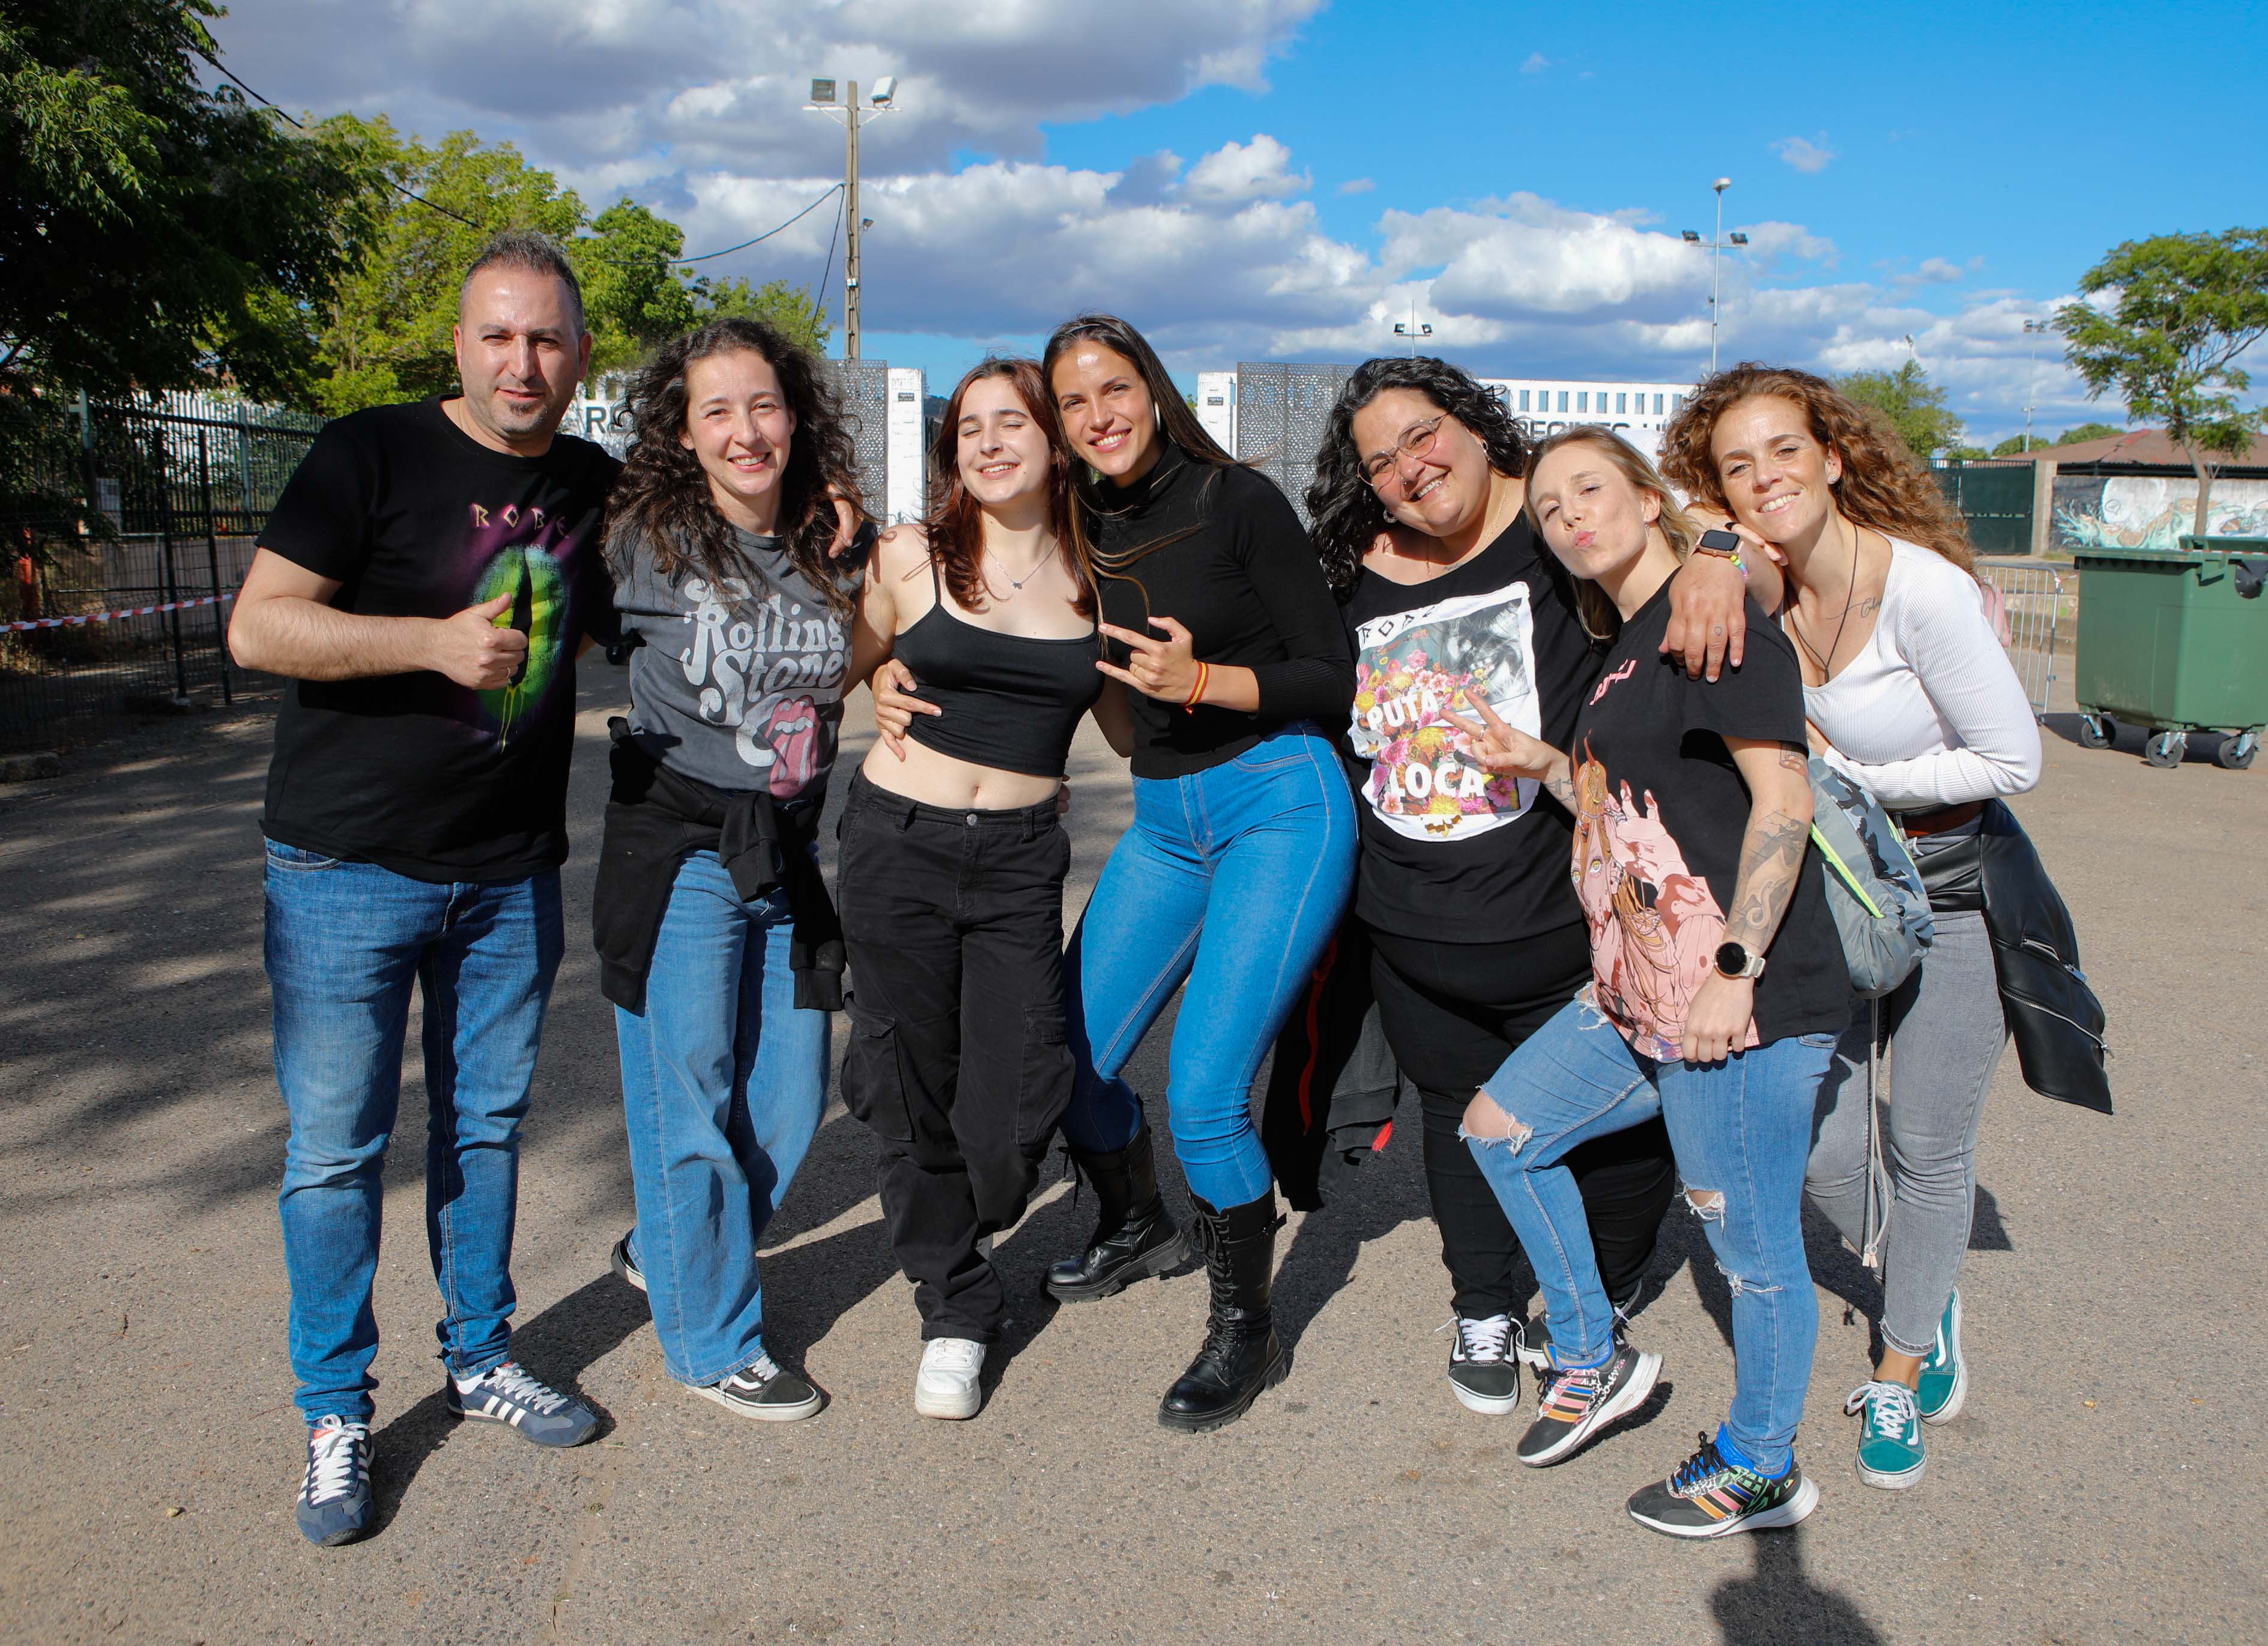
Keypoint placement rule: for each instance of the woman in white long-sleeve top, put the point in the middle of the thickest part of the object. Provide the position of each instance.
(1908, 692)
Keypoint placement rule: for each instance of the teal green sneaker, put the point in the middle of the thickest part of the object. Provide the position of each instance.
(1890, 1439)
(1944, 1381)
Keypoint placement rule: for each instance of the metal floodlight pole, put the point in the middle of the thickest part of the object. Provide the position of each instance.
(1413, 331)
(2032, 328)
(1716, 263)
(883, 99)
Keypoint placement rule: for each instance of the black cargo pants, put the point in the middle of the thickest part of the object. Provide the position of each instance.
(957, 1061)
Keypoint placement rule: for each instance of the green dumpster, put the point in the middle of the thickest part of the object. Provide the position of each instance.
(2175, 640)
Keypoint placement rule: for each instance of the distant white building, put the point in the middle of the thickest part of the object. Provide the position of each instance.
(1542, 405)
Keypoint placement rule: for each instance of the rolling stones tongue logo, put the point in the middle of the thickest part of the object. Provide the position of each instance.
(791, 732)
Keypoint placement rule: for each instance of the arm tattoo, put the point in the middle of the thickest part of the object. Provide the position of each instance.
(1559, 784)
(1795, 758)
(1771, 855)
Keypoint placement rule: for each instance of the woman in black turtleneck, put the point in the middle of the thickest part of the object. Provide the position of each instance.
(1240, 859)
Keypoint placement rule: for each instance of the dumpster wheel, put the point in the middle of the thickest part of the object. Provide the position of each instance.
(2236, 750)
(2166, 749)
(2097, 731)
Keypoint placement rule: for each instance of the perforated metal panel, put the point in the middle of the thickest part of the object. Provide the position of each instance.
(864, 387)
(1281, 406)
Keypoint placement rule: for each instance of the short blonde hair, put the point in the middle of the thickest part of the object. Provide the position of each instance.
(1600, 620)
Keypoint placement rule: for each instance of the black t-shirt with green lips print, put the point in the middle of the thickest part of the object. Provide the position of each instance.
(414, 518)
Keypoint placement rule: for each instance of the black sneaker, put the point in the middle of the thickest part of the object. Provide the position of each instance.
(624, 1265)
(1483, 1370)
(334, 1497)
(1707, 1497)
(767, 1391)
(1570, 1406)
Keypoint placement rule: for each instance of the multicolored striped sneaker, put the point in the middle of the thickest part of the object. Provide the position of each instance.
(1944, 1381)
(1571, 1405)
(1710, 1496)
(1890, 1439)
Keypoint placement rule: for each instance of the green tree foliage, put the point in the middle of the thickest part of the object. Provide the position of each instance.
(2162, 322)
(388, 338)
(799, 315)
(154, 234)
(2017, 445)
(2088, 432)
(1912, 404)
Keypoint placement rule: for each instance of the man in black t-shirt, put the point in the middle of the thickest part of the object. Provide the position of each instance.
(426, 582)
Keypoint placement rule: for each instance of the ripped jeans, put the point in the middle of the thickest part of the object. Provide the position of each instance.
(1742, 1132)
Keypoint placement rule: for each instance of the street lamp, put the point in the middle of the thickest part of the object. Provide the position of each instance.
(1413, 331)
(848, 110)
(2032, 328)
(1716, 247)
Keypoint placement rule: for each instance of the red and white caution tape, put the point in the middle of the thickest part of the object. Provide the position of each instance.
(112, 617)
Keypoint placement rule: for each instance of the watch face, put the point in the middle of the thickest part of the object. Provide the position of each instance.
(1732, 959)
(1719, 541)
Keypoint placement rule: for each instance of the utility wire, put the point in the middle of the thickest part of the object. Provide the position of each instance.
(819, 291)
(625, 262)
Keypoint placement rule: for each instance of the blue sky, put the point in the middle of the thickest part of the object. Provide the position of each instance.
(1282, 178)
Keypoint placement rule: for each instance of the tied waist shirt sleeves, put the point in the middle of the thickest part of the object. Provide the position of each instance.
(656, 818)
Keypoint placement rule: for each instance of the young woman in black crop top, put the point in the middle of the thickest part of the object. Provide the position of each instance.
(953, 859)
(1241, 858)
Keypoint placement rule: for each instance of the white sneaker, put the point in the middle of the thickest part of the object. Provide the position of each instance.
(946, 1387)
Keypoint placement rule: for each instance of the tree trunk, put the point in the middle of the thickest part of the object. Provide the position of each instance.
(2205, 491)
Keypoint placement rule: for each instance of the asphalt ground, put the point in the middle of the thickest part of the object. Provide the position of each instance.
(2105, 1484)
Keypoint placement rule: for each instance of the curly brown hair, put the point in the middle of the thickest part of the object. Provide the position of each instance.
(1882, 487)
(662, 501)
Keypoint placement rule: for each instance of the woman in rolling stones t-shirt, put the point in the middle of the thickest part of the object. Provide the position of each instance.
(1473, 935)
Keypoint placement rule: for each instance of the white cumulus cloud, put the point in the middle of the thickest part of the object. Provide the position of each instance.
(1804, 155)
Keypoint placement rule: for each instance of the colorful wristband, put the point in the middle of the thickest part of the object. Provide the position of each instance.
(1197, 691)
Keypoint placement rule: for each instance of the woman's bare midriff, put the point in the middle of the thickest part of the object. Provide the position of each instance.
(936, 780)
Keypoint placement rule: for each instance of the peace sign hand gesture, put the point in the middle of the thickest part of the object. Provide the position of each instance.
(1165, 669)
(1504, 748)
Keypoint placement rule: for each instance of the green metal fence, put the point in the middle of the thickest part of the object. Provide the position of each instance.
(1996, 500)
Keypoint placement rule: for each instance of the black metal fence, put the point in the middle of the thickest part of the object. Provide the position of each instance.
(123, 610)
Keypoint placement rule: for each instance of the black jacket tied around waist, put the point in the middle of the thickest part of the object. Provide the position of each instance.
(656, 818)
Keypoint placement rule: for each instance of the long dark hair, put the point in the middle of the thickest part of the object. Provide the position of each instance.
(1177, 424)
(662, 499)
(1883, 487)
(1175, 420)
(956, 519)
(1343, 508)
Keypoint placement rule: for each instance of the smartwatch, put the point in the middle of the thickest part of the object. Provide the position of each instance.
(1733, 960)
(1718, 540)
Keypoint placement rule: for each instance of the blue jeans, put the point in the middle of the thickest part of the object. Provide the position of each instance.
(1234, 879)
(1742, 1132)
(346, 942)
(723, 1082)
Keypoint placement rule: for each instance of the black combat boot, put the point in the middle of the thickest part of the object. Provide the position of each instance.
(1241, 1354)
(1134, 1238)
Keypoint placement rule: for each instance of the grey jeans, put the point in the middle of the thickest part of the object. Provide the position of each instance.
(1942, 1032)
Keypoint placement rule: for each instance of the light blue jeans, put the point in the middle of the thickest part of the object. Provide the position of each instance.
(1232, 880)
(723, 1082)
(1741, 1130)
(346, 943)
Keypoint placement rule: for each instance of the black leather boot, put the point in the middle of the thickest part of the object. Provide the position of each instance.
(1241, 1353)
(1135, 1237)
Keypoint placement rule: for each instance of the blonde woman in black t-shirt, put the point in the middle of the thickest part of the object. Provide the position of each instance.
(1718, 990)
(1462, 916)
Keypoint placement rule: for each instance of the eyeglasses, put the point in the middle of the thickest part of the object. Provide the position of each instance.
(1416, 441)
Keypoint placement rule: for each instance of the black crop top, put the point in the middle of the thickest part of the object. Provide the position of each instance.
(1235, 568)
(1011, 701)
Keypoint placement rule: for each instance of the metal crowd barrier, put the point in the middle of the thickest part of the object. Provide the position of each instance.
(2025, 603)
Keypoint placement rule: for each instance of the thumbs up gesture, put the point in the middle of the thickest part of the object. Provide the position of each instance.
(471, 649)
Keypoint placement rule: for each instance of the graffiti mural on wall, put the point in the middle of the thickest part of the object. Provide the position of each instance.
(2151, 512)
